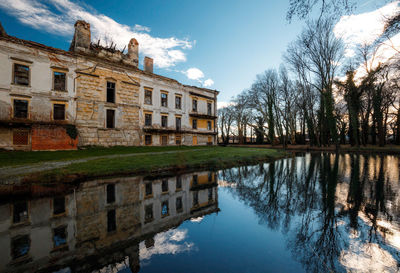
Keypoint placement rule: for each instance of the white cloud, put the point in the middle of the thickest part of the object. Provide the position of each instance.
(208, 83)
(58, 17)
(194, 74)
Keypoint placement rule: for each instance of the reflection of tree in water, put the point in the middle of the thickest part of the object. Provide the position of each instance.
(299, 197)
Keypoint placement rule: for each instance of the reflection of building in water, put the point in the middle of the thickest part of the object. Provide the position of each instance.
(101, 223)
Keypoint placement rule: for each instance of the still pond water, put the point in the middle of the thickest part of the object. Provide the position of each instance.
(309, 213)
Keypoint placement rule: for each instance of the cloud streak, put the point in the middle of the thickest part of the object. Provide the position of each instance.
(58, 17)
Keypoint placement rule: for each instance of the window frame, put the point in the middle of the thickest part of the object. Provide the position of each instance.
(145, 119)
(209, 125)
(180, 102)
(178, 128)
(54, 80)
(151, 139)
(209, 108)
(21, 63)
(114, 123)
(54, 112)
(164, 117)
(14, 108)
(195, 106)
(164, 99)
(147, 90)
(114, 89)
(194, 124)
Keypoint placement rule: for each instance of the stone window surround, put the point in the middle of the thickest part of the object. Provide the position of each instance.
(21, 62)
(20, 98)
(163, 92)
(65, 109)
(61, 70)
(148, 89)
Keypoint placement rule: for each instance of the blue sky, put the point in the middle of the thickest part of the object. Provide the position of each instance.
(221, 44)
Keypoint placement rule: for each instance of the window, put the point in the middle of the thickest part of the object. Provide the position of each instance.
(20, 137)
(178, 102)
(178, 182)
(110, 118)
(164, 121)
(149, 189)
(147, 119)
(59, 80)
(178, 139)
(111, 223)
(20, 212)
(208, 125)
(209, 108)
(178, 204)
(20, 109)
(164, 185)
(194, 105)
(148, 213)
(148, 97)
(194, 124)
(164, 140)
(20, 246)
(60, 236)
(110, 193)
(195, 198)
(164, 208)
(210, 194)
(147, 139)
(195, 180)
(164, 99)
(58, 205)
(111, 92)
(178, 123)
(59, 111)
(209, 177)
(21, 74)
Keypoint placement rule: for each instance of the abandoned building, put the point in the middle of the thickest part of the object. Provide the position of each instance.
(94, 95)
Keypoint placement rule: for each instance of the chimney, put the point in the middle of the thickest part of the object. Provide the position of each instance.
(81, 38)
(2, 31)
(148, 64)
(133, 51)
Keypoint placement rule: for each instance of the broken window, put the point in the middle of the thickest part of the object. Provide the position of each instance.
(195, 198)
(178, 204)
(178, 140)
(60, 236)
(59, 79)
(164, 99)
(111, 92)
(195, 180)
(20, 246)
(149, 189)
(194, 105)
(210, 194)
(164, 208)
(148, 97)
(147, 119)
(147, 139)
(164, 185)
(179, 182)
(178, 102)
(110, 118)
(20, 212)
(20, 109)
(59, 112)
(164, 121)
(148, 213)
(21, 74)
(194, 124)
(110, 193)
(58, 205)
(111, 222)
(209, 108)
(20, 137)
(178, 123)
(209, 125)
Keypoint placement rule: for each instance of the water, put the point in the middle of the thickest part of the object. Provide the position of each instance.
(310, 213)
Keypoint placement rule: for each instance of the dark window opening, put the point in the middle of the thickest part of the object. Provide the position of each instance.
(148, 213)
(195, 180)
(178, 182)
(20, 109)
(148, 97)
(209, 177)
(164, 99)
(111, 92)
(58, 205)
(59, 112)
(21, 74)
(178, 102)
(195, 198)
(20, 137)
(164, 121)
(111, 222)
(20, 246)
(110, 193)
(178, 203)
(20, 212)
(194, 105)
(209, 108)
(110, 118)
(147, 139)
(149, 189)
(178, 122)
(210, 194)
(209, 125)
(147, 119)
(164, 185)
(178, 140)
(164, 208)
(60, 236)
(194, 124)
(59, 81)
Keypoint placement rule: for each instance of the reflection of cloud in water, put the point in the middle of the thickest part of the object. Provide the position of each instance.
(197, 220)
(169, 242)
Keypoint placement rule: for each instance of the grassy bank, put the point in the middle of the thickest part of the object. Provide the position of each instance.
(146, 161)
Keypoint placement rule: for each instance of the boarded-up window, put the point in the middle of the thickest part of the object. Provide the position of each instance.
(178, 122)
(59, 111)
(149, 189)
(178, 182)
(20, 137)
(110, 118)
(21, 74)
(194, 105)
(164, 185)
(58, 205)
(148, 213)
(59, 81)
(20, 212)
(178, 204)
(111, 92)
(20, 109)
(147, 139)
(164, 99)
(111, 221)
(194, 124)
(147, 119)
(209, 108)
(148, 97)
(164, 208)
(60, 236)
(20, 246)
(110, 193)
(178, 102)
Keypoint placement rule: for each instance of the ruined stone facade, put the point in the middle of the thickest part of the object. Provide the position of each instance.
(93, 95)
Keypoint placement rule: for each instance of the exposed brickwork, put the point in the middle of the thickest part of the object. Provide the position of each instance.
(52, 138)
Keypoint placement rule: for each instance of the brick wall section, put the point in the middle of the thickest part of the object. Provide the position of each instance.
(47, 137)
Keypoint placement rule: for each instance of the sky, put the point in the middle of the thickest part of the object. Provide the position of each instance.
(220, 44)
